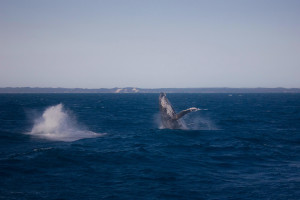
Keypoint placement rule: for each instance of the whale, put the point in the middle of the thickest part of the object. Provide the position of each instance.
(169, 118)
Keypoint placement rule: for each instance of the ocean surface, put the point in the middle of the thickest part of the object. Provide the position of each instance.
(112, 146)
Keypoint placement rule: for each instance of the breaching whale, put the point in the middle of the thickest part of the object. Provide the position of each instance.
(169, 118)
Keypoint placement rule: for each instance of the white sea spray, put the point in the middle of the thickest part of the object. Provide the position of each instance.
(57, 124)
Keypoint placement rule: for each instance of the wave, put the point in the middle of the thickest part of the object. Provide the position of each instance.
(57, 124)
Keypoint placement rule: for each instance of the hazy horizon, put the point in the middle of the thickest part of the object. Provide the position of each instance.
(217, 87)
(150, 44)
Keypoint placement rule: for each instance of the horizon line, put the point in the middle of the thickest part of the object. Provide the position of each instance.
(130, 87)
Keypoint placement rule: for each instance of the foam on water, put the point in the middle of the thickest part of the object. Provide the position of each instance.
(56, 124)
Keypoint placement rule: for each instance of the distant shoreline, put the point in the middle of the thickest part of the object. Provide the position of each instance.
(22, 90)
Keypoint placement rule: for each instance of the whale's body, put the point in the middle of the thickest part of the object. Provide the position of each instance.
(169, 118)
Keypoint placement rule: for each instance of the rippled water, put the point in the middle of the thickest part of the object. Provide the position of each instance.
(109, 146)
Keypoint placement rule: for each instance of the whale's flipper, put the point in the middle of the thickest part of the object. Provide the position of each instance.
(169, 118)
(184, 112)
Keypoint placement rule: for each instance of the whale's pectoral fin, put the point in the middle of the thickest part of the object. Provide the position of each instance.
(184, 112)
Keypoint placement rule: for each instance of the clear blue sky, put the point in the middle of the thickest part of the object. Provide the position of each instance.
(149, 44)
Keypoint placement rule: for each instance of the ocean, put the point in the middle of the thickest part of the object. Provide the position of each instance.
(112, 146)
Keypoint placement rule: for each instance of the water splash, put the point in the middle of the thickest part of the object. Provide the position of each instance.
(201, 123)
(56, 124)
(158, 123)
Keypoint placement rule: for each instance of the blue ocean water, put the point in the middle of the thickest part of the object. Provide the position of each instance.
(111, 146)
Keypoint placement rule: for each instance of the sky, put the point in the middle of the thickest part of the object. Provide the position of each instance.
(149, 44)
